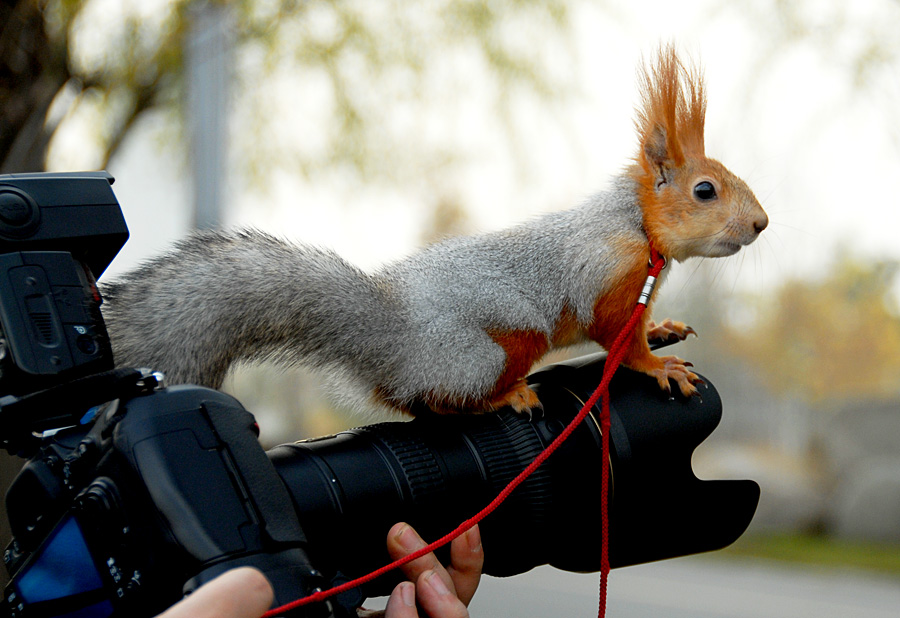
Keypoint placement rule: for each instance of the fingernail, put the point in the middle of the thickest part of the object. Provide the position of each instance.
(408, 539)
(473, 536)
(408, 594)
(437, 584)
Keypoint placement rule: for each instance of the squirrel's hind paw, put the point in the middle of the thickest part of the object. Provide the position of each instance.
(520, 398)
(674, 368)
(668, 330)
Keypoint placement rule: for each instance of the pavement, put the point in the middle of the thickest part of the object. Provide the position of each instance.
(695, 587)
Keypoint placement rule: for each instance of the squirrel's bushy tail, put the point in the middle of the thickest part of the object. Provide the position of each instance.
(220, 298)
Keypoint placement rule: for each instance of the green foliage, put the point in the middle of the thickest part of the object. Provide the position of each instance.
(819, 551)
(373, 64)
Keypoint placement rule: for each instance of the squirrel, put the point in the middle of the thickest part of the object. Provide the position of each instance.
(456, 326)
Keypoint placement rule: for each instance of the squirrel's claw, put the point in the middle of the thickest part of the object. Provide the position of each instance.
(521, 399)
(674, 368)
(669, 330)
(533, 413)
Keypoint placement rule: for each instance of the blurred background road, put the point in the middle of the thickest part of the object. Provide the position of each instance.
(694, 588)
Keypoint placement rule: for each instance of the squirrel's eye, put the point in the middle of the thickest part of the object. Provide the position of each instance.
(705, 191)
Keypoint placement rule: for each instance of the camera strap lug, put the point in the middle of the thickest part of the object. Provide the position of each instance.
(150, 381)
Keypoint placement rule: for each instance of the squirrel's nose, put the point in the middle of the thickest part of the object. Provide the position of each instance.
(761, 222)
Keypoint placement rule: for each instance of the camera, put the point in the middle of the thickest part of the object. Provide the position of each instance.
(135, 494)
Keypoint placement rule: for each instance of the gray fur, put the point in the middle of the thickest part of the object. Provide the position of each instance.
(412, 327)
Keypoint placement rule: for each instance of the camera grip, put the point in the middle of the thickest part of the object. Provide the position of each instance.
(210, 481)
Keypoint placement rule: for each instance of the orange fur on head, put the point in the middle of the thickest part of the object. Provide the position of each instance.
(673, 108)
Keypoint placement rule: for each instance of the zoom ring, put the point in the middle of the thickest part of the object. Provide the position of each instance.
(506, 451)
(416, 459)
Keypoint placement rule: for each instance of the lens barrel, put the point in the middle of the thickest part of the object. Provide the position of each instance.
(436, 471)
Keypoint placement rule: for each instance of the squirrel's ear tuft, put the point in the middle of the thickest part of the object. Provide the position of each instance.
(673, 108)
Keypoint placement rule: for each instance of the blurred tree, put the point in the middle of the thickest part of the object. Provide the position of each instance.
(113, 62)
(835, 338)
(858, 39)
(47, 72)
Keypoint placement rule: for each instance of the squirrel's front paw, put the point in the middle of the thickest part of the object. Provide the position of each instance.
(674, 368)
(668, 330)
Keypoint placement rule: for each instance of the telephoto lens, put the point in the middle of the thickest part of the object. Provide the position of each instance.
(437, 471)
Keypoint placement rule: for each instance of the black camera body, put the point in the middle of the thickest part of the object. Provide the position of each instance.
(147, 492)
(162, 492)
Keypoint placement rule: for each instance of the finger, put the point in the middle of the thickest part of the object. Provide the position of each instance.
(239, 593)
(436, 599)
(402, 602)
(402, 541)
(466, 562)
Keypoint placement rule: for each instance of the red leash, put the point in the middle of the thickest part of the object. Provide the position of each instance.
(613, 359)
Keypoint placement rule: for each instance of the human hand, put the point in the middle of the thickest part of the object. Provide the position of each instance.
(238, 593)
(440, 592)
